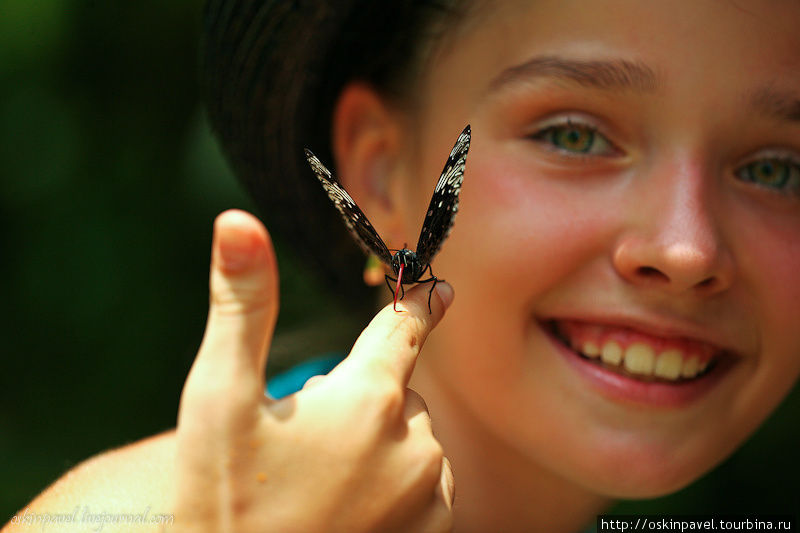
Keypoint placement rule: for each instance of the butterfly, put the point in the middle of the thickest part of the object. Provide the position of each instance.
(408, 266)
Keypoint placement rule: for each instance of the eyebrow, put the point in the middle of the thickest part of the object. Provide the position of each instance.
(624, 75)
(782, 105)
(608, 75)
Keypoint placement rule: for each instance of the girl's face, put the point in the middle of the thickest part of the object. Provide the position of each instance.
(626, 252)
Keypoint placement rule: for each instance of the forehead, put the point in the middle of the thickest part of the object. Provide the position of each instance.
(711, 46)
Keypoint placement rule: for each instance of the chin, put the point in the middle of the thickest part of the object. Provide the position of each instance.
(641, 469)
(648, 481)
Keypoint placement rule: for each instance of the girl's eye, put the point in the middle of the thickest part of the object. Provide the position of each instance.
(782, 175)
(578, 139)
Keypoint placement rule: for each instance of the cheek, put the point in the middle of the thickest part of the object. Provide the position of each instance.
(517, 236)
(517, 233)
(768, 256)
(771, 261)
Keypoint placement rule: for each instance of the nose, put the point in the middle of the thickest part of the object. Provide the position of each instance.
(672, 242)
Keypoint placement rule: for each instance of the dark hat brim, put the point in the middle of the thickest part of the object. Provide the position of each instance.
(269, 92)
(272, 72)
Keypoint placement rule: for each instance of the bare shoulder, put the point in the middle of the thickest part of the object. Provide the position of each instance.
(125, 489)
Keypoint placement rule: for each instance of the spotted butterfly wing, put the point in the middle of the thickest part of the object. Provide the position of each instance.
(354, 218)
(444, 203)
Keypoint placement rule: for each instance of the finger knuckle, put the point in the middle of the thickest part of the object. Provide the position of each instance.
(410, 332)
(435, 457)
(215, 402)
(312, 381)
(385, 398)
(242, 301)
(416, 399)
(429, 458)
(439, 519)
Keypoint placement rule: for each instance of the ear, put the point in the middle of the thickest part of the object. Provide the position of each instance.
(367, 148)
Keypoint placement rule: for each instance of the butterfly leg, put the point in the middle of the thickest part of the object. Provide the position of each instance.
(391, 290)
(402, 289)
(388, 279)
(434, 279)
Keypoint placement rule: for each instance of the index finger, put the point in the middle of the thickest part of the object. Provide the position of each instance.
(390, 344)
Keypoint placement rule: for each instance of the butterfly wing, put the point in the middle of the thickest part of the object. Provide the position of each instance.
(444, 203)
(356, 222)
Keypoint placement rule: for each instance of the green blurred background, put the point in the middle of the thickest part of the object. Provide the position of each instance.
(109, 183)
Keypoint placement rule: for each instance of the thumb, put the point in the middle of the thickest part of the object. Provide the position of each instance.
(243, 307)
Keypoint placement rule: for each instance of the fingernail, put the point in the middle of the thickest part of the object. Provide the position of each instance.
(446, 293)
(235, 249)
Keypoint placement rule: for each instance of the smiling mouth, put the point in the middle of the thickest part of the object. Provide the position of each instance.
(634, 354)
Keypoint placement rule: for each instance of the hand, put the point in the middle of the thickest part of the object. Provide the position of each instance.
(353, 451)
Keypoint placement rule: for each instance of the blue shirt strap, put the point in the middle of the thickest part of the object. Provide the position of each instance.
(292, 380)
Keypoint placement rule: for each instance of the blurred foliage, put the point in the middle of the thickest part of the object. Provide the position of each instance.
(109, 183)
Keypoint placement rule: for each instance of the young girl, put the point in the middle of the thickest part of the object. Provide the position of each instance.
(621, 297)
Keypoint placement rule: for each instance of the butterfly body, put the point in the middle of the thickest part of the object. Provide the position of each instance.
(412, 268)
(408, 266)
(409, 269)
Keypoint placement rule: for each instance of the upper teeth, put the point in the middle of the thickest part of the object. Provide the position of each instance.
(640, 358)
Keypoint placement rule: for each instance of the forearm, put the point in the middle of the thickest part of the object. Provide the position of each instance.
(127, 489)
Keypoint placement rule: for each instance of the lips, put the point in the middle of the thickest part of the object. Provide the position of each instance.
(635, 353)
(634, 363)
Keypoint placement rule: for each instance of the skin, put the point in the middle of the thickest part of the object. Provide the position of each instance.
(240, 461)
(657, 227)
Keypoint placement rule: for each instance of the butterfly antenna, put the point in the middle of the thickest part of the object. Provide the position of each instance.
(399, 284)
